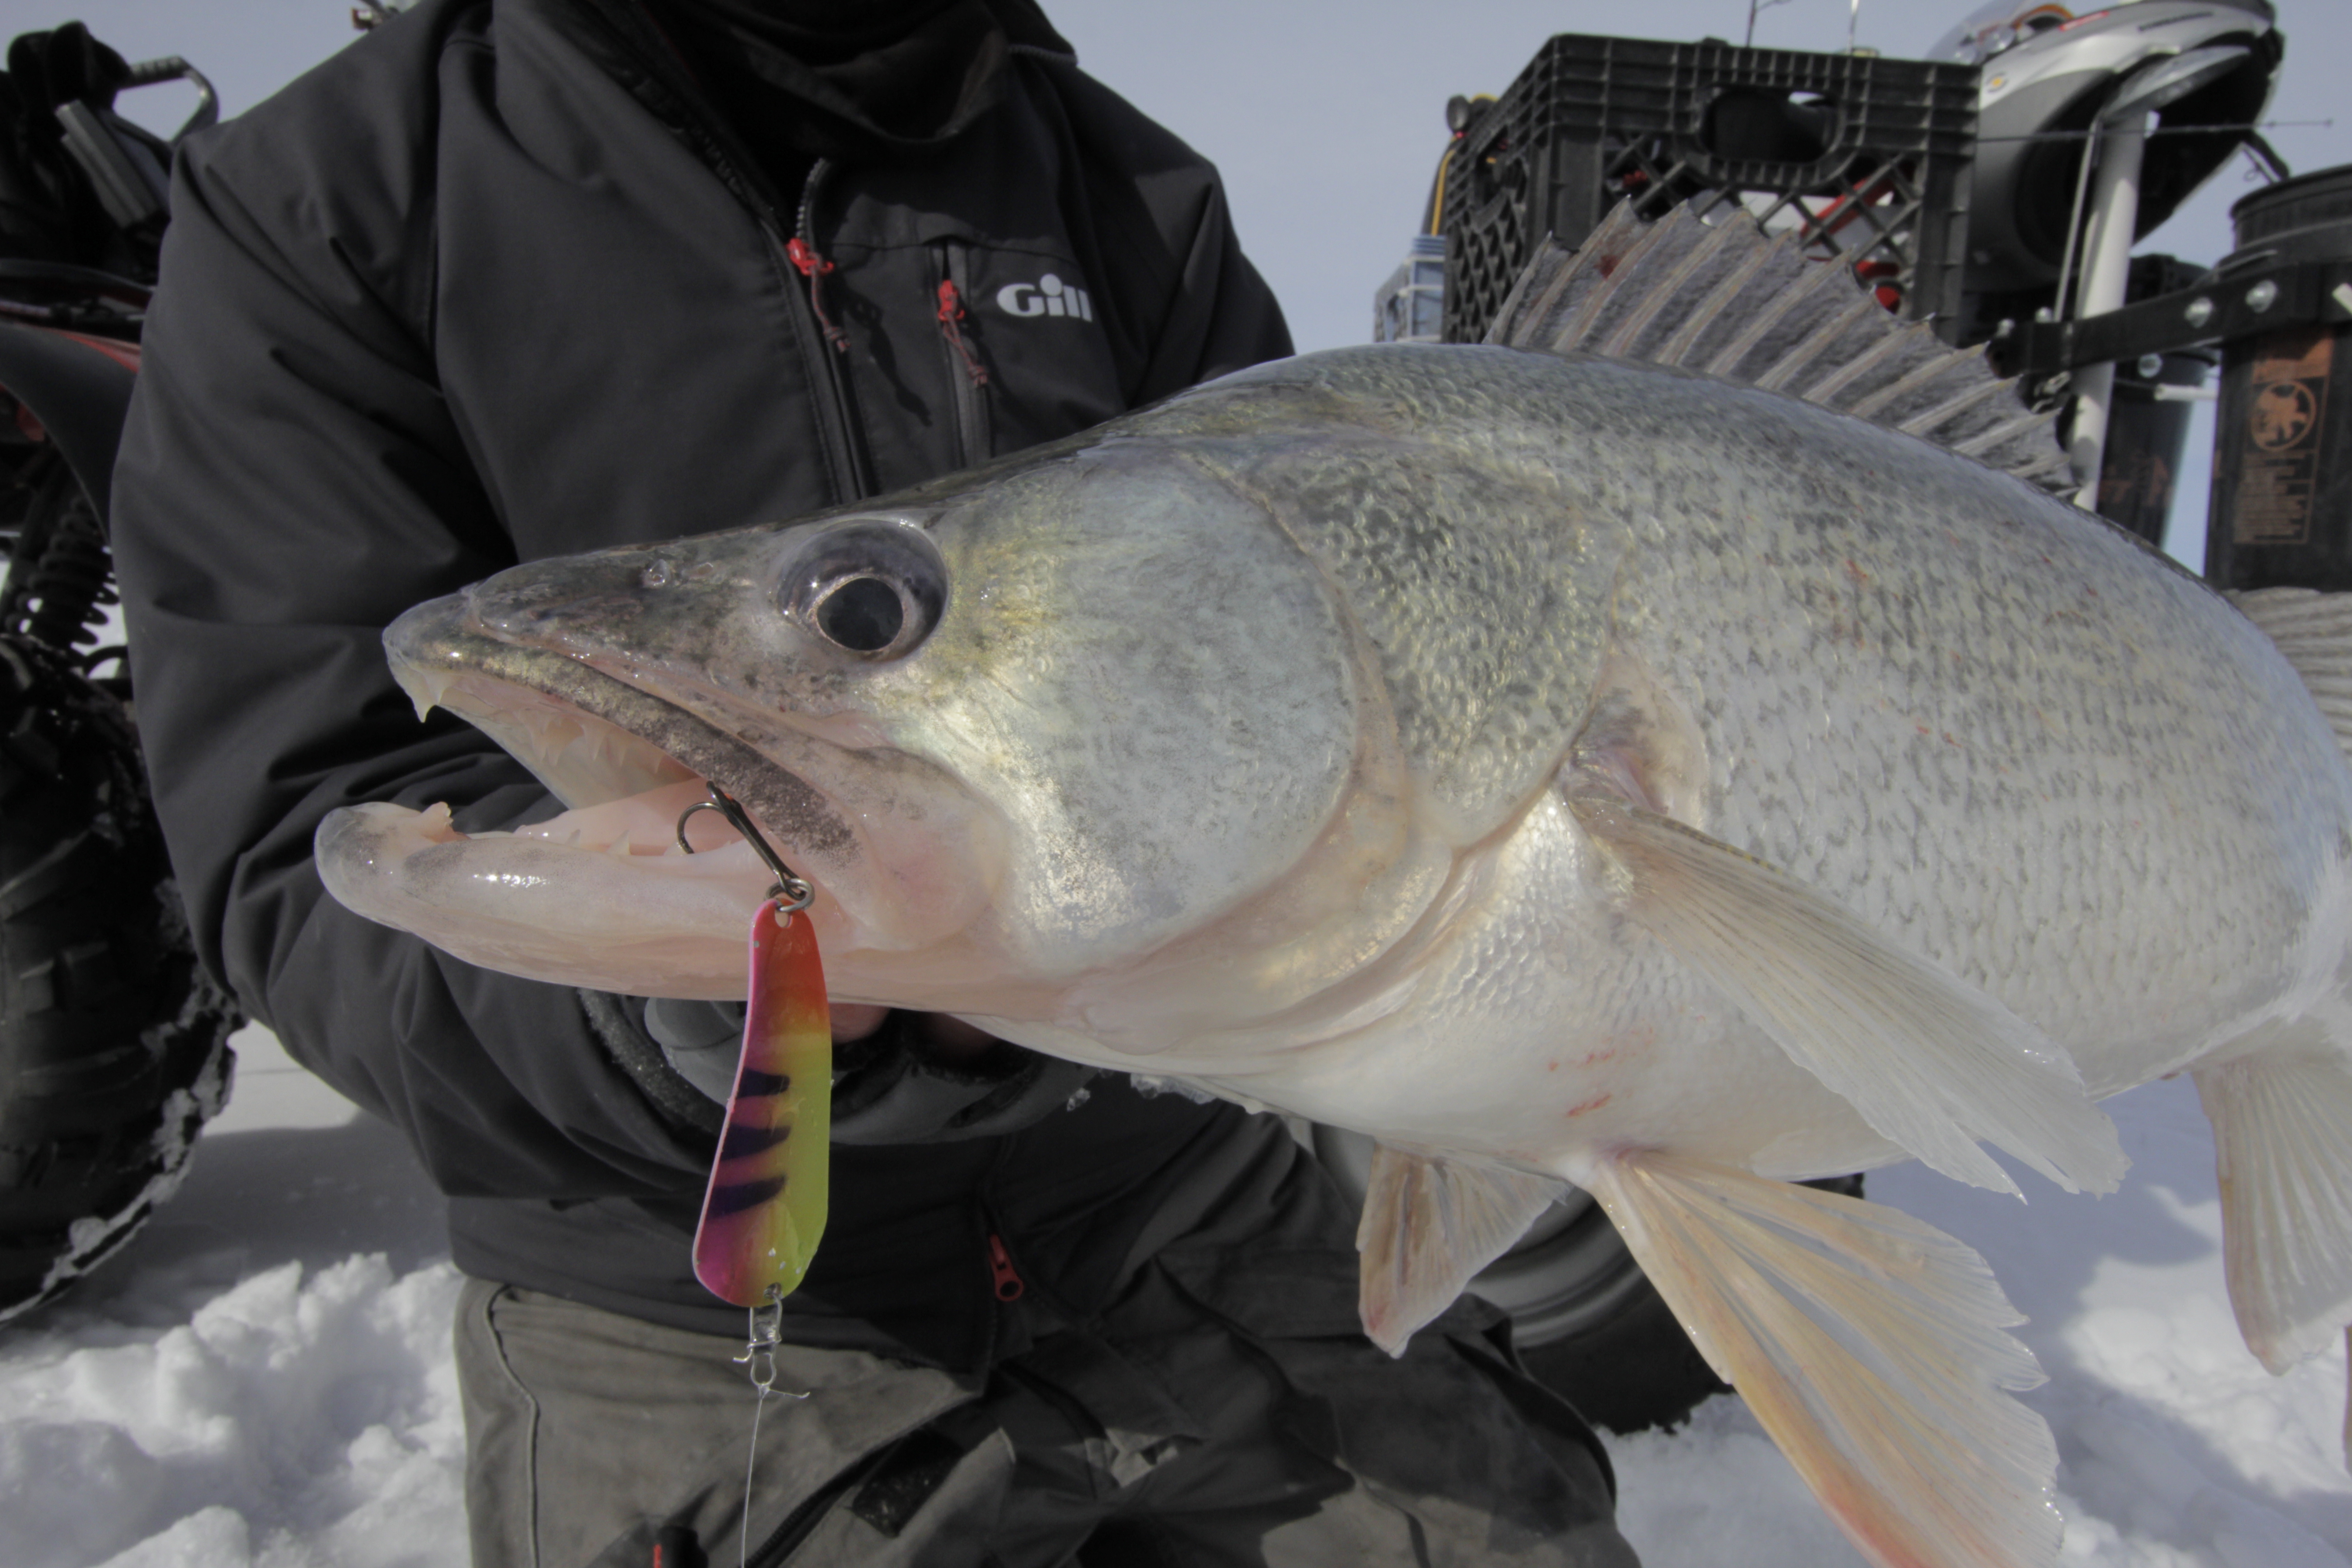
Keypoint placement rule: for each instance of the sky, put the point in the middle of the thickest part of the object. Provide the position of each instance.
(1325, 116)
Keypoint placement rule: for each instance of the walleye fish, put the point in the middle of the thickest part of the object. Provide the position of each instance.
(1561, 766)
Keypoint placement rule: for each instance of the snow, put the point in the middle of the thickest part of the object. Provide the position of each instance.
(262, 1379)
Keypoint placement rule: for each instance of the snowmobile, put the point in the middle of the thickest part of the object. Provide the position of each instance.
(113, 1045)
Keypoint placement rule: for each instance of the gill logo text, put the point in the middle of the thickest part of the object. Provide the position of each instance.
(1049, 296)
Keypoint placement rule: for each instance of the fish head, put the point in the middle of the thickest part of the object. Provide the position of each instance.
(1026, 725)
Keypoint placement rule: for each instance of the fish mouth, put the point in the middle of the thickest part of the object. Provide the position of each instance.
(622, 891)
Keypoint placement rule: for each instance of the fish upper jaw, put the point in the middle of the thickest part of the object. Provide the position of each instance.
(602, 896)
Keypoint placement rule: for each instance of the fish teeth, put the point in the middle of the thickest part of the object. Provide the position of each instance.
(552, 733)
(427, 687)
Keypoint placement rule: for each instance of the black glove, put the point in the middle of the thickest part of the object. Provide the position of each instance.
(48, 211)
(886, 1088)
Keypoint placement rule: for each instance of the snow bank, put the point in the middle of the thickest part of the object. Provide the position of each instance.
(298, 1417)
(263, 1380)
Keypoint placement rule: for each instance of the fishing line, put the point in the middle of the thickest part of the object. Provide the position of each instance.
(759, 1359)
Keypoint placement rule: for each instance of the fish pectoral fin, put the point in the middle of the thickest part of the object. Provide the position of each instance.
(1428, 1225)
(1928, 1060)
(1869, 1344)
(2280, 1114)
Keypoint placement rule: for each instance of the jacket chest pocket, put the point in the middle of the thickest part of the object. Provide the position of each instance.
(1024, 346)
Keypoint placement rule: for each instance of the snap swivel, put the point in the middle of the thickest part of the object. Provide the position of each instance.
(766, 1335)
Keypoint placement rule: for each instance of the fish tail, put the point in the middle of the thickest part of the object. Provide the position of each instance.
(2281, 1105)
(1870, 1345)
(2313, 631)
(2281, 1100)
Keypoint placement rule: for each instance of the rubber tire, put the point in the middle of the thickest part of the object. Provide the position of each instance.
(113, 1046)
(1635, 1370)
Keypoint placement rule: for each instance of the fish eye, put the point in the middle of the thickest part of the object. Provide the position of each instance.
(871, 586)
(864, 615)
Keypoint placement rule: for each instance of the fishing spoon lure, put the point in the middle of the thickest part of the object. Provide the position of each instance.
(764, 1210)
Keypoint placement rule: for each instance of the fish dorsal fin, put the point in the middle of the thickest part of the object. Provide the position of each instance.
(1729, 300)
(2313, 630)
(1930, 1061)
(1428, 1225)
(1870, 1345)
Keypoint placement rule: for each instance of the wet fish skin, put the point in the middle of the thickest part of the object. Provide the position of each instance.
(1554, 767)
(1430, 594)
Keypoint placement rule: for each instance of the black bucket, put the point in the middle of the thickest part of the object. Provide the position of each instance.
(2147, 434)
(2282, 509)
(2147, 437)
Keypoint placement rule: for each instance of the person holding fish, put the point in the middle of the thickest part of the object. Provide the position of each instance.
(516, 278)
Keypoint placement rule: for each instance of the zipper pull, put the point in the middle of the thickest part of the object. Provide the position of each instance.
(951, 314)
(1009, 1286)
(813, 267)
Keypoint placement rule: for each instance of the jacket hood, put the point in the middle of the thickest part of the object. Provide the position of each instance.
(886, 81)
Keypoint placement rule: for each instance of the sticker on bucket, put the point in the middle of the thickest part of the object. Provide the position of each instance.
(2284, 426)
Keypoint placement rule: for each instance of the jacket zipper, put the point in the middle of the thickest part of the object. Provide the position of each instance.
(967, 376)
(827, 355)
(813, 266)
(1009, 1286)
(659, 74)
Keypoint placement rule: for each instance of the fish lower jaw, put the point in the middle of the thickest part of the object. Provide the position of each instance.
(899, 864)
(547, 908)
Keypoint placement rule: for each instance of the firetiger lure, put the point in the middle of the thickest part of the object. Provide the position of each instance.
(763, 1209)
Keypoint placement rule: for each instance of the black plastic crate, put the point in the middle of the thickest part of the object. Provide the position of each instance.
(1868, 156)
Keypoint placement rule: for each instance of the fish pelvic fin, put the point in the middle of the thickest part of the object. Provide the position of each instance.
(1870, 1345)
(2313, 631)
(1930, 1061)
(1428, 1225)
(1755, 310)
(2282, 1116)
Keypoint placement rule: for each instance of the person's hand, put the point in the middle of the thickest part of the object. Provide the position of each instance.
(941, 1036)
(900, 1077)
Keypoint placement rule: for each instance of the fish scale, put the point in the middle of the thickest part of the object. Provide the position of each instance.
(1559, 768)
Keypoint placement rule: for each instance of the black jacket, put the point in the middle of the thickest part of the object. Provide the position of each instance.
(490, 286)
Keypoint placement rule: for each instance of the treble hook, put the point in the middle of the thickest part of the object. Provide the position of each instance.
(791, 892)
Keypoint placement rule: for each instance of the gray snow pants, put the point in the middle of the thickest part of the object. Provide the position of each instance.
(1225, 1410)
